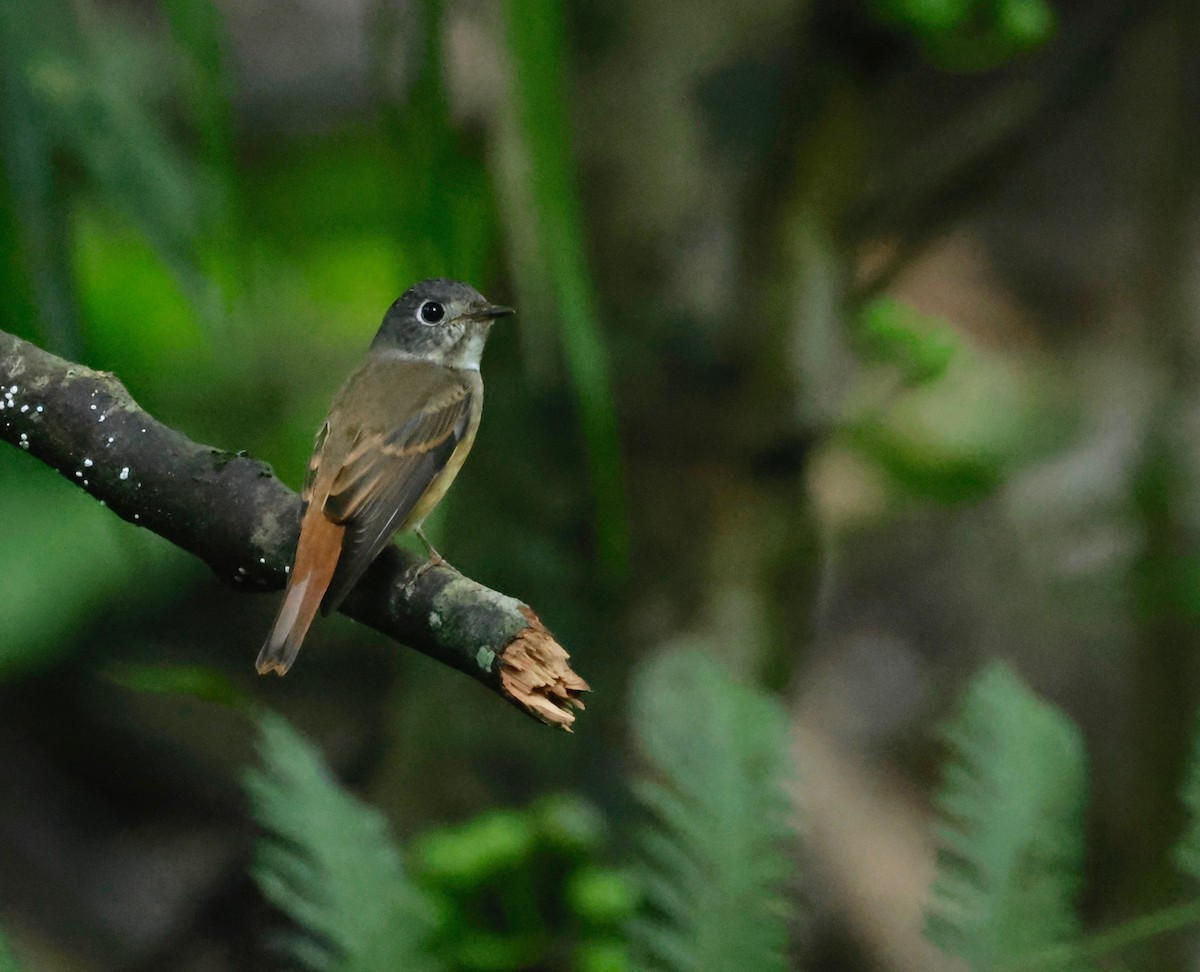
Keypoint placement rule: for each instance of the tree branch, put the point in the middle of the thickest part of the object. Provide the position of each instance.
(232, 513)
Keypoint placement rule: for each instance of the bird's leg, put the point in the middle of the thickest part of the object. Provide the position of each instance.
(435, 560)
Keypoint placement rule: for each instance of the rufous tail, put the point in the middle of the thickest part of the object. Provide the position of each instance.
(316, 558)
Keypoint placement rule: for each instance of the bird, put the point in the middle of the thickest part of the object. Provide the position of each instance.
(396, 435)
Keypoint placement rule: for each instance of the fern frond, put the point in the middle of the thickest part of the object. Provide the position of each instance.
(715, 858)
(328, 861)
(1011, 807)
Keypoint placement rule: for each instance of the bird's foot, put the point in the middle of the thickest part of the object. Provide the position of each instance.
(435, 560)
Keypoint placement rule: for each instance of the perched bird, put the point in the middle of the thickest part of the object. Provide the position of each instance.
(395, 437)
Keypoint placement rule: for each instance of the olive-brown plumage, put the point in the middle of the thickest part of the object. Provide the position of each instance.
(395, 437)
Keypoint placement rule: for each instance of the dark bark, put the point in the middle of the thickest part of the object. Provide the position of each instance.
(231, 512)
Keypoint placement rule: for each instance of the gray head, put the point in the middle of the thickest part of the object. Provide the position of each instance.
(442, 321)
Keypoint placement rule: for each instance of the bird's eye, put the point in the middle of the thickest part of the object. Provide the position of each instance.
(431, 312)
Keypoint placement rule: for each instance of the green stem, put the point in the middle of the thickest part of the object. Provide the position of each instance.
(1132, 932)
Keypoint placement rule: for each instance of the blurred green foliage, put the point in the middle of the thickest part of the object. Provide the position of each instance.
(8, 962)
(971, 35)
(441, 201)
(536, 36)
(231, 278)
(104, 211)
(201, 73)
(945, 420)
(74, 559)
(1187, 853)
(518, 887)
(81, 118)
(193, 681)
(328, 862)
(1011, 831)
(919, 346)
(709, 887)
(715, 861)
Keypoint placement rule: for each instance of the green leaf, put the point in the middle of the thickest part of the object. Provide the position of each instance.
(716, 856)
(955, 439)
(556, 262)
(927, 16)
(971, 35)
(1011, 829)
(195, 681)
(894, 333)
(1026, 23)
(329, 862)
(466, 856)
(927, 467)
(605, 955)
(601, 896)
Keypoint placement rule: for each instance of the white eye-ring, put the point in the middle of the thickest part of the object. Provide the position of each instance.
(431, 312)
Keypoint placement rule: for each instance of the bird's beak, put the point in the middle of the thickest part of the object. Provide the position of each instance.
(490, 312)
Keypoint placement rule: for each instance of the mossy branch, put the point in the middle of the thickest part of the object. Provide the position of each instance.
(232, 513)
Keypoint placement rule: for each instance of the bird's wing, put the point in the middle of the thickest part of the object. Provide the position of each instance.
(314, 464)
(384, 475)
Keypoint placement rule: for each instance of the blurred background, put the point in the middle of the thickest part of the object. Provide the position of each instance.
(856, 347)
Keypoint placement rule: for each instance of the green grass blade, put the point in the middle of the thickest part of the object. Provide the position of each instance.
(536, 40)
(33, 41)
(443, 210)
(199, 34)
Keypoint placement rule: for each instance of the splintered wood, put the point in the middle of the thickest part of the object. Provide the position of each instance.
(535, 671)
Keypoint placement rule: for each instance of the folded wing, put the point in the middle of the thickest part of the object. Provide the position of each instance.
(383, 477)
